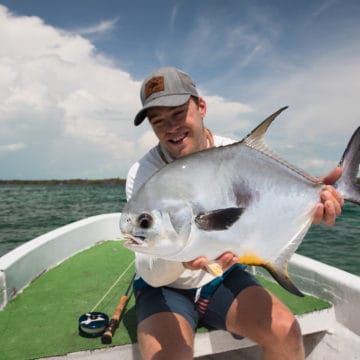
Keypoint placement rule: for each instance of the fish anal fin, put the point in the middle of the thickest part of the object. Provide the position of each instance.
(220, 219)
(282, 277)
(279, 274)
(252, 260)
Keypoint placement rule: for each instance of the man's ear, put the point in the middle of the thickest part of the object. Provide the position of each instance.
(202, 107)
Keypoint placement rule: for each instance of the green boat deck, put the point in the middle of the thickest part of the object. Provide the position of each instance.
(43, 320)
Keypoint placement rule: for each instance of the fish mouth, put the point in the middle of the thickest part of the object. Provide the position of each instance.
(135, 240)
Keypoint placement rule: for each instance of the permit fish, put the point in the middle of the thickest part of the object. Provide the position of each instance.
(240, 198)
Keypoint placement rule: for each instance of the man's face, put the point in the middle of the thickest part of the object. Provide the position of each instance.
(180, 129)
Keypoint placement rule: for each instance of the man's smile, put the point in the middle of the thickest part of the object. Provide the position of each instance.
(178, 139)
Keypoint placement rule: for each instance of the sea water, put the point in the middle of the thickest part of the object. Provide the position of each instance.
(27, 211)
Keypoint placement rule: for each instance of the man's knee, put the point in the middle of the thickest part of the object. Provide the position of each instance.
(284, 341)
(164, 334)
(262, 317)
(286, 329)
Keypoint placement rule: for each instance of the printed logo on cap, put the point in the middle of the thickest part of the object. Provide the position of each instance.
(154, 85)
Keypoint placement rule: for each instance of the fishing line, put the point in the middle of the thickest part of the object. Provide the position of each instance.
(113, 285)
(94, 323)
(114, 322)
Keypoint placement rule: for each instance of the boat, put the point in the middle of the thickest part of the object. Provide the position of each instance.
(331, 330)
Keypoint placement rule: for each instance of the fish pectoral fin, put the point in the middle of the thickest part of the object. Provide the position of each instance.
(220, 219)
(282, 277)
(214, 268)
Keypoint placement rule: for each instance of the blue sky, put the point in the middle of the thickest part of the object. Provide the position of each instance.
(71, 73)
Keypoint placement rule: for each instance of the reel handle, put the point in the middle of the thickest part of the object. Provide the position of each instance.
(106, 337)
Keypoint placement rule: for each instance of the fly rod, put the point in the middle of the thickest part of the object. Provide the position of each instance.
(106, 337)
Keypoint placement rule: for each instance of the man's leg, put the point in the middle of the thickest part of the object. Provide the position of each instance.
(167, 319)
(165, 336)
(257, 314)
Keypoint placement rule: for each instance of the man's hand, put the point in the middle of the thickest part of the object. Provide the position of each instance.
(331, 200)
(225, 260)
(196, 264)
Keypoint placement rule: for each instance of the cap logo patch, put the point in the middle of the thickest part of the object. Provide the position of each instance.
(155, 84)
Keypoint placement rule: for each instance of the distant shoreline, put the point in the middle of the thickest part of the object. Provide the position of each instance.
(112, 181)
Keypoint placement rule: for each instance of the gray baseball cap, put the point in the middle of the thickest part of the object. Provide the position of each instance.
(166, 86)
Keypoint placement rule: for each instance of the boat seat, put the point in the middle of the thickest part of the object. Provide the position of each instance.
(211, 342)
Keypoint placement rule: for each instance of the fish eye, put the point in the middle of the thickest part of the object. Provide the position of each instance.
(145, 221)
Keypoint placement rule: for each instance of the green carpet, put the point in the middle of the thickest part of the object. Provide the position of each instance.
(43, 320)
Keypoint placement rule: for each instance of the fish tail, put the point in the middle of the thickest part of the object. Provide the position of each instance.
(347, 184)
(280, 274)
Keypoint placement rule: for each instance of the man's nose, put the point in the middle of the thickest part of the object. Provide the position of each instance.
(173, 121)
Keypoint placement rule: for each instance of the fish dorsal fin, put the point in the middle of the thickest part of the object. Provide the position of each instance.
(255, 140)
(220, 219)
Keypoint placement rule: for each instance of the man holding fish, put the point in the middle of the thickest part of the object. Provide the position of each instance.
(174, 297)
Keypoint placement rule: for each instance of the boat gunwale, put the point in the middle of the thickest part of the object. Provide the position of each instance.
(22, 265)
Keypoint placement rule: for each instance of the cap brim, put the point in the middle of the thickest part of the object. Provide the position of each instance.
(166, 100)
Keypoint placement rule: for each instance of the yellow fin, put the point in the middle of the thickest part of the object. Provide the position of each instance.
(214, 268)
(252, 259)
(280, 274)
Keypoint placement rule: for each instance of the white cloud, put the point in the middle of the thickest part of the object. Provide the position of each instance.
(323, 7)
(323, 99)
(69, 107)
(12, 147)
(55, 87)
(102, 27)
(173, 16)
(27, 37)
(224, 117)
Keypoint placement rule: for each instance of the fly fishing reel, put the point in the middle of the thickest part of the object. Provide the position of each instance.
(93, 324)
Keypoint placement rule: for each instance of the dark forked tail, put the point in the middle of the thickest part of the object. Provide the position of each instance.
(347, 184)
